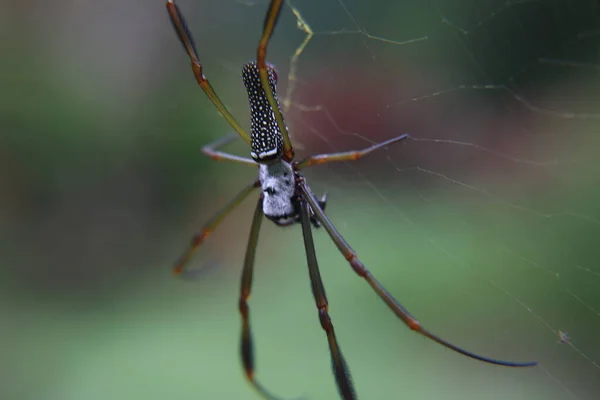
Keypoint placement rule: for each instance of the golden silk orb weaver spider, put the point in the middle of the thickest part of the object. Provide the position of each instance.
(285, 199)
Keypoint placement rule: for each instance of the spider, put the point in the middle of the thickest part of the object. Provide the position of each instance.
(285, 199)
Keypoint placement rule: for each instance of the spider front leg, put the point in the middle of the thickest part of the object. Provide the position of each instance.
(261, 53)
(347, 155)
(392, 303)
(186, 39)
(211, 151)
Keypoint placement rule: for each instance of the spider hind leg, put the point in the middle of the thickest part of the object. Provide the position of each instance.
(322, 203)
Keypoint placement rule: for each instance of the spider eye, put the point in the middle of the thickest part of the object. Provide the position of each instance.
(266, 140)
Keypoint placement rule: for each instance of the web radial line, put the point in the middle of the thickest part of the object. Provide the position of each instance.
(261, 54)
(398, 309)
(187, 40)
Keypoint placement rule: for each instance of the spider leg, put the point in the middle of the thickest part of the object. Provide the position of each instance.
(322, 204)
(340, 368)
(247, 345)
(211, 151)
(392, 303)
(347, 155)
(269, 25)
(186, 39)
(209, 227)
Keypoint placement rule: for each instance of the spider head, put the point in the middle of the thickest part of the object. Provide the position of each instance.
(266, 140)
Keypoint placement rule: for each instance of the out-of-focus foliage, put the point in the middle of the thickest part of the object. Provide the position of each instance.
(102, 184)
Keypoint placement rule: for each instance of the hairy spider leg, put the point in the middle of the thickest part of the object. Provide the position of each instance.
(210, 150)
(246, 343)
(338, 363)
(199, 237)
(261, 55)
(186, 39)
(392, 303)
(347, 155)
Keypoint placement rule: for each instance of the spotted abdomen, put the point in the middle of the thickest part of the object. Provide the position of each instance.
(266, 140)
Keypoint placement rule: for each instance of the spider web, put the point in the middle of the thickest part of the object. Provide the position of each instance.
(484, 224)
(494, 198)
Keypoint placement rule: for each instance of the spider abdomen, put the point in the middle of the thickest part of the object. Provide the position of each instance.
(266, 141)
(278, 187)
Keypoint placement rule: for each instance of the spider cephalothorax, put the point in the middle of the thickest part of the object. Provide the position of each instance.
(278, 187)
(286, 199)
(273, 200)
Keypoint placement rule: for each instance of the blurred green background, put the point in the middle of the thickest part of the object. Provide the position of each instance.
(486, 225)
